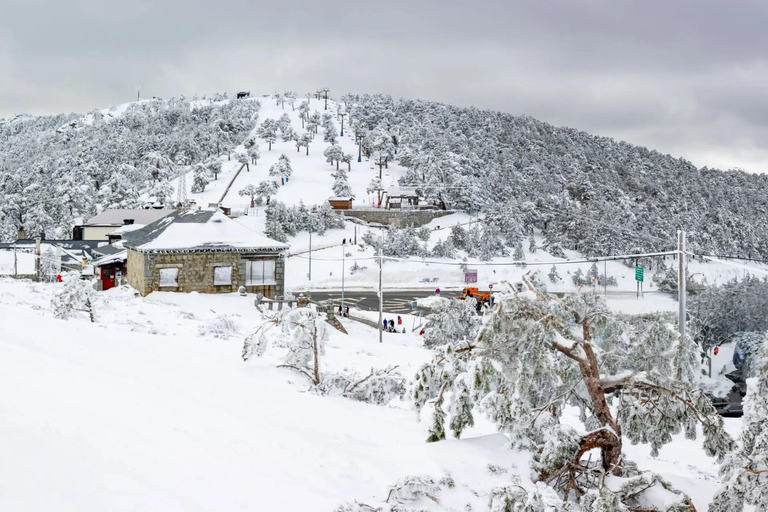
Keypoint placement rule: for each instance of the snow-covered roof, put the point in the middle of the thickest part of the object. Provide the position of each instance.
(200, 231)
(117, 217)
(126, 228)
(402, 191)
(120, 255)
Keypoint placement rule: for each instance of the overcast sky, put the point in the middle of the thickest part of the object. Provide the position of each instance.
(684, 77)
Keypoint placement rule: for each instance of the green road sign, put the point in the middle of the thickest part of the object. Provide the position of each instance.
(639, 274)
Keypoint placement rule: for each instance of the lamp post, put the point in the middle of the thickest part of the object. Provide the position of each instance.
(341, 115)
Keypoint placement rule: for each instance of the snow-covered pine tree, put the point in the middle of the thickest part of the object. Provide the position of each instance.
(593, 275)
(553, 275)
(200, 178)
(289, 135)
(265, 190)
(443, 249)
(538, 353)
(519, 255)
(213, 166)
(333, 153)
(341, 186)
(284, 123)
(532, 245)
(458, 237)
(75, 295)
(274, 226)
(745, 470)
(254, 154)
(306, 140)
(281, 169)
(329, 135)
(250, 191)
(578, 277)
(267, 130)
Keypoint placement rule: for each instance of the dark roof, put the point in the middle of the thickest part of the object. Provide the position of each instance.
(107, 249)
(76, 245)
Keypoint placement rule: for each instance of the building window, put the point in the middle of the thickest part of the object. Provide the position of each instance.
(222, 276)
(169, 277)
(260, 272)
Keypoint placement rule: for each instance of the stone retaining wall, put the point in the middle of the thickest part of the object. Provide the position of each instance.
(397, 218)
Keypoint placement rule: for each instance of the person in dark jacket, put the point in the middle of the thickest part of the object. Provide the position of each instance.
(391, 325)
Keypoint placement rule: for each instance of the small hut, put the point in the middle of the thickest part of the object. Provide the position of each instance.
(402, 198)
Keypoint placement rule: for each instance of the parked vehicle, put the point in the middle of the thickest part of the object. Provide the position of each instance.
(731, 411)
(482, 298)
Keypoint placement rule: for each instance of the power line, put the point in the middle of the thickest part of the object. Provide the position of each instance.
(508, 263)
(724, 257)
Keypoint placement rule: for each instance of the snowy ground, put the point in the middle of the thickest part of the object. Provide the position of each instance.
(141, 411)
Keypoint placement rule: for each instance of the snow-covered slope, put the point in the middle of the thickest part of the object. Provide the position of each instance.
(311, 180)
(147, 410)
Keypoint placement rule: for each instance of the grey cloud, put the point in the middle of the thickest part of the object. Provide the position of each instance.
(683, 77)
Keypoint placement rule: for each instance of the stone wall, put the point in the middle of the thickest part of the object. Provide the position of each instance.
(397, 218)
(135, 270)
(196, 272)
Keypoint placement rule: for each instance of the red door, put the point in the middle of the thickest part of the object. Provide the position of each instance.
(108, 277)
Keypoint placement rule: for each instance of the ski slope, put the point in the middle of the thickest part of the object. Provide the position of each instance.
(311, 180)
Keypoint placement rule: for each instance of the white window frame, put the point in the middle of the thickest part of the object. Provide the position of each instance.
(221, 282)
(164, 283)
(261, 272)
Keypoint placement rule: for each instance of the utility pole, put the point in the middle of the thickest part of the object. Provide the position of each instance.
(38, 267)
(343, 262)
(310, 252)
(342, 123)
(15, 262)
(381, 295)
(681, 281)
(605, 279)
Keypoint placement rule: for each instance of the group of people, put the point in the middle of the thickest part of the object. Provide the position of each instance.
(344, 311)
(389, 325)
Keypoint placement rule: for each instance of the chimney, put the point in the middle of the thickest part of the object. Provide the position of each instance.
(127, 222)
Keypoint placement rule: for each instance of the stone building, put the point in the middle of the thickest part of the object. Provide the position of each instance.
(203, 251)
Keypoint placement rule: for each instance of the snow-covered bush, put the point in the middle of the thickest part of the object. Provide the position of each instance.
(75, 295)
(443, 249)
(221, 327)
(452, 322)
(379, 387)
(302, 331)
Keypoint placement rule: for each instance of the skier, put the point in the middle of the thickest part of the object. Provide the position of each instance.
(346, 312)
(399, 320)
(391, 325)
(385, 324)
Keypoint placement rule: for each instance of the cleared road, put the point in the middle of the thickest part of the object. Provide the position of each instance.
(394, 302)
